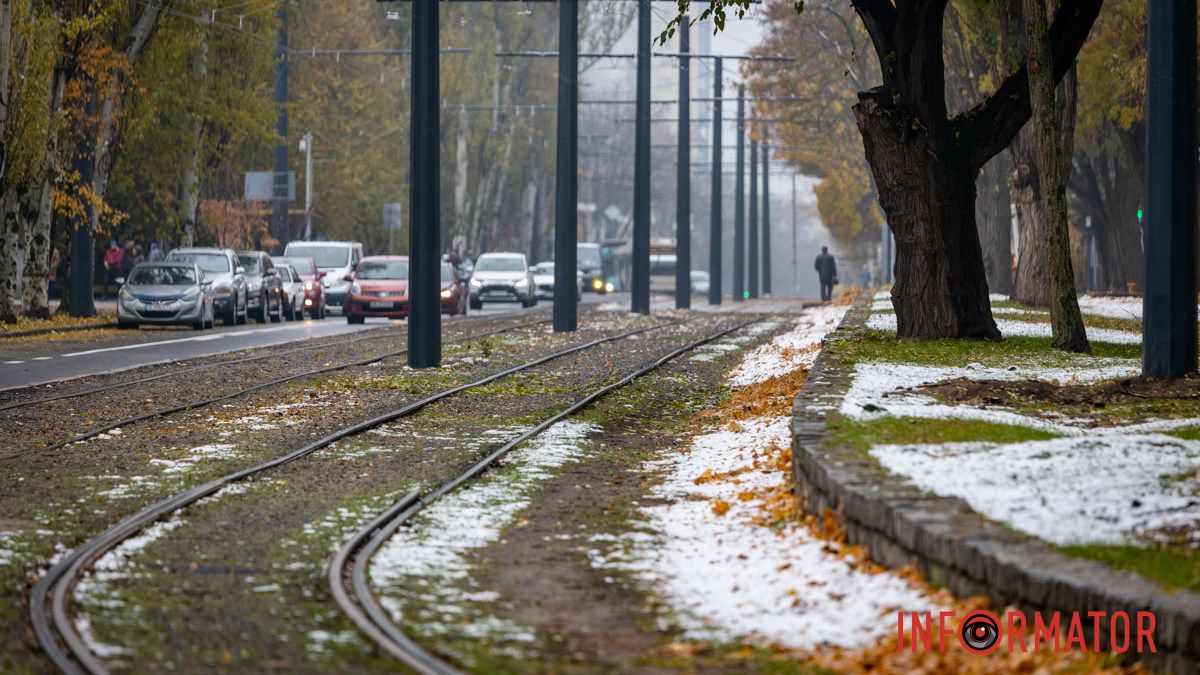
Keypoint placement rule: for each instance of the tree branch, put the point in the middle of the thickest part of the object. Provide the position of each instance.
(992, 124)
(879, 18)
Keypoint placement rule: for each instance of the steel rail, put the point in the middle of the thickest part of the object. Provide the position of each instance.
(142, 417)
(352, 591)
(374, 334)
(49, 608)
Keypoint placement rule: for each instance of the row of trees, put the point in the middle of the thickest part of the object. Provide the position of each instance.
(137, 119)
(962, 100)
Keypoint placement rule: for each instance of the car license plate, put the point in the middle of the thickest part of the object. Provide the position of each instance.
(159, 304)
(380, 305)
(495, 294)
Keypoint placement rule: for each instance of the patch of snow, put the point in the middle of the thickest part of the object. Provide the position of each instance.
(731, 578)
(1111, 306)
(1103, 488)
(794, 349)
(1009, 328)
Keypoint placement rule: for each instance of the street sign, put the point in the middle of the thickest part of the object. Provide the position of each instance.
(393, 215)
(260, 186)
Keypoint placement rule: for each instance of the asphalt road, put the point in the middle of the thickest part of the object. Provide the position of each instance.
(30, 362)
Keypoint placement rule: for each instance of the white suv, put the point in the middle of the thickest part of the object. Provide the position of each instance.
(504, 277)
(336, 259)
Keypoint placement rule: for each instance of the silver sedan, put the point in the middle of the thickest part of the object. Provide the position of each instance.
(165, 293)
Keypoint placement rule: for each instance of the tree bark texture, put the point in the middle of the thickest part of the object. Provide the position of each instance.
(993, 215)
(1032, 285)
(11, 237)
(35, 207)
(1065, 319)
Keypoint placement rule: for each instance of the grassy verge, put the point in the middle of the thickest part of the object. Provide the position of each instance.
(1176, 568)
(54, 322)
(863, 344)
(912, 430)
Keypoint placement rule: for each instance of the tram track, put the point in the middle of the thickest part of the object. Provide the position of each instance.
(50, 614)
(347, 574)
(194, 405)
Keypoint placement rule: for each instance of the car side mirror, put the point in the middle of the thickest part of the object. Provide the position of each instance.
(349, 277)
(240, 270)
(354, 266)
(120, 280)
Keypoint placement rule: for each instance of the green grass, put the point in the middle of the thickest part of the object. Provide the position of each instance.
(1172, 567)
(863, 344)
(1186, 433)
(912, 430)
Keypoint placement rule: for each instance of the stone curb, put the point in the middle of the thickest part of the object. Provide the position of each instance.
(957, 548)
(58, 329)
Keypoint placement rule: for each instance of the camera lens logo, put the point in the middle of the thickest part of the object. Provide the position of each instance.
(979, 632)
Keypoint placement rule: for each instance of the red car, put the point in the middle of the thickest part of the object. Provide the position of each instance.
(380, 288)
(314, 290)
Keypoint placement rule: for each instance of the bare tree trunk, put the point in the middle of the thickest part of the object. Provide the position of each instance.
(39, 215)
(1065, 319)
(189, 205)
(1032, 285)
(993, 215)
(461, 177)
(11, 237)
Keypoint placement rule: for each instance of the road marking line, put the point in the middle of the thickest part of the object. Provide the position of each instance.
(12, 363)
(42, 358)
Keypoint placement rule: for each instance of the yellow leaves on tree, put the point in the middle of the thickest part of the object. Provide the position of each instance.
(235, 223)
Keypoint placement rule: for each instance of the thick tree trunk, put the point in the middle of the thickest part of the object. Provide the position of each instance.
(993, 214)
(35, 210)
(926, 187)
(11, 237)
(1032, 285)
(1065, 319)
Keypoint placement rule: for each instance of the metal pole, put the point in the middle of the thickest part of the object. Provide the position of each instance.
(566, 186)
(308, 185)
(753, 267)
(739, 200)
(425, 316)
(766, 218)
(279, 202)
(1169, 328)
(795, 245)
(714, 225)
(683, 187)
(640, 302)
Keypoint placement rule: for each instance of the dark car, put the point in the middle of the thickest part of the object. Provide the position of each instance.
(454, 291)
(379, 287)
(263, 288)
(165, 293)
(221, 267)
(590, 265)
(314, 290)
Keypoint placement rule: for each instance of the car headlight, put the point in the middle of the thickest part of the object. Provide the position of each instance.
(520, 282)
(447, 293)
(125, 295)
(191, 295)
(597, 284)
(475, 283)
(608, 287)
(308, 285)
(355, 289)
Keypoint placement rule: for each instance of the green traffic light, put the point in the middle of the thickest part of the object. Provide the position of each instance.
(1139, 214)
(745, 294)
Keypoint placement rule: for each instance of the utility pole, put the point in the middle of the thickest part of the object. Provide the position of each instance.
(1169, 305)
(279, 202)
(640, 301)
(683, 187)
(739, 200)
(714, 226)
(766, 217)
(566, 154)
(795, 245)
(306, 148)
(753, 270)
(425, 316)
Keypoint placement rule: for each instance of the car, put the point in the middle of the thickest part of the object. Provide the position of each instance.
(314, 290)
(454, 291)
(590, 266)
(543, 281)
(221, 267)
(699, 283)
(165, 293)
(378, 288)
(293, 292)
(263, 288)
(338, 259)
(502, 277)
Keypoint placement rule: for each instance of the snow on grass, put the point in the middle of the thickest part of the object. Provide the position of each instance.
(794, 349)
(423, 568)
(731, 578)
(1112, 306)
(1009, 328)
(1099, 489)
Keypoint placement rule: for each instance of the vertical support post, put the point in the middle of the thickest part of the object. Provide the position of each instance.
(1169, 328)
(425, 316)
(308, 185)
(279, 202)
(739, 202)
(753, 243)
(683, 184)
(715, 224)
(566, 180)
(766, 217)
(795, 245)
(640, 301)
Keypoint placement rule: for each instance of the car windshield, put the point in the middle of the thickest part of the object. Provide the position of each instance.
(507, 263)
(303, 266)
(324, 255)
(163, 276)
(447, 274)
(209, 262)
(383, 269)
(250, 263)
(543, 268)
(285, 274)
(588, 255)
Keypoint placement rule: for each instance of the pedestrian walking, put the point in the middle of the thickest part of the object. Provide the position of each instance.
(127, 258)
(864, 275)
(113, 259)
(826, 268)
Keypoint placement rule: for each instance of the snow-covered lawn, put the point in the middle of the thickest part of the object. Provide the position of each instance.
(795, 349)
(1012, 328)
